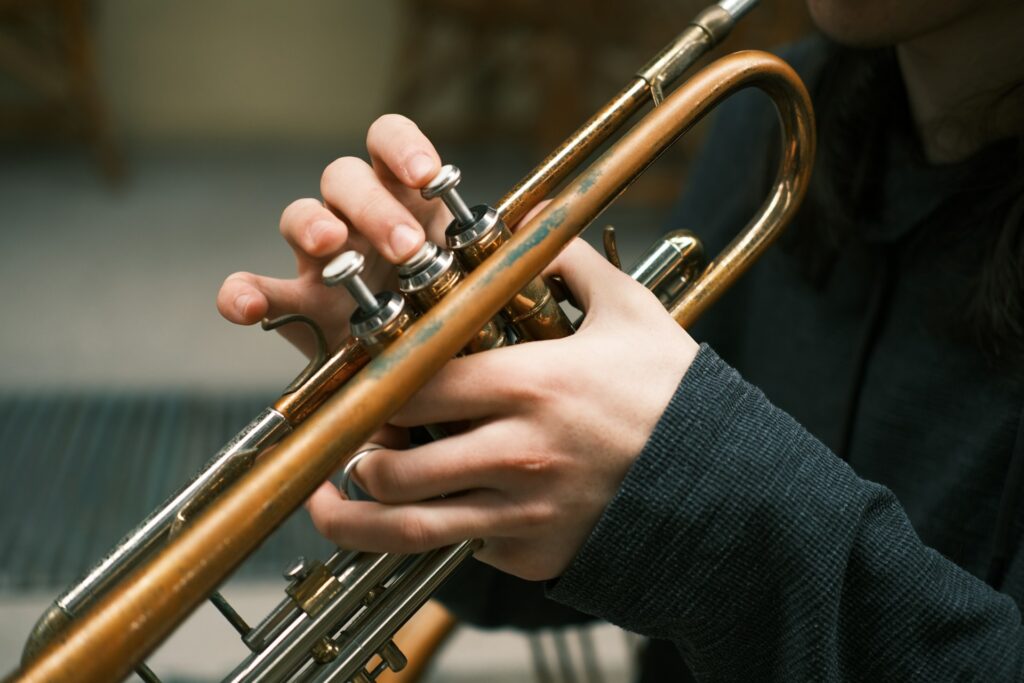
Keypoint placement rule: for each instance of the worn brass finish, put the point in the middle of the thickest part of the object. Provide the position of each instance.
(423, 298)
(132, 619)
(611, 247)
(325, 651)
(418, 639)
(319, 356)
(53, 621)
(384, 334)
(688, 46)
(338, 369)
(239, 463)
(316, 588)
(533, 310)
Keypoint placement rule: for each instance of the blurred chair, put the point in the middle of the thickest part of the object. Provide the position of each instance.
(531, 71)
(47, 46)
(522, 65)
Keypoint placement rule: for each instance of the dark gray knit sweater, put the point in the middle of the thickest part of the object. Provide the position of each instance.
(740, 537)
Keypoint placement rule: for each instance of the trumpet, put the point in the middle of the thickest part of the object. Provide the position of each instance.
(339, 617)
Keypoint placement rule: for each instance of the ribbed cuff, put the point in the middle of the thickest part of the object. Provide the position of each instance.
(681, 549)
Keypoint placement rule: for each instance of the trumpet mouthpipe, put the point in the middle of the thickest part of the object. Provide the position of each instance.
(737, 9)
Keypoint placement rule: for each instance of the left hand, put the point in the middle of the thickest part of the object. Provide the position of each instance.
(553, 426)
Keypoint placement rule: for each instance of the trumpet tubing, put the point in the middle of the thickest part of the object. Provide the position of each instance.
(335, 409)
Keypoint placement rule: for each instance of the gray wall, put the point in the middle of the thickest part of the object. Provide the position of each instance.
(245, 69)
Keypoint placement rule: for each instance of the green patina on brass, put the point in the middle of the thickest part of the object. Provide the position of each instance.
(588, 181)
(383, 363)
(555, 220)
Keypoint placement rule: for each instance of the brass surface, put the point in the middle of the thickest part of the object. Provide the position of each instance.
(533, 311)
(611, 247)
(319, 356)
(490, 336)
(384, 335)
(418, 639)
(53, 621)
(136, 615)
(240, 463)
(570, 154)
(670, 265)
(338, 369)
(325, 651)
(315, 590)
(702, 33)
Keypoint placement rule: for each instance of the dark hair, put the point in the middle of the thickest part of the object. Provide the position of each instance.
(859, 99)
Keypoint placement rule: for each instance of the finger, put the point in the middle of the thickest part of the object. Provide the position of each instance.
(351, 186)
(313, 232)
(325, 497)
(466, 388)
(391, 436)
(537, 208)
(591, 278)
(376, 527)
(451, 465)
(397, 146)
(246, 298)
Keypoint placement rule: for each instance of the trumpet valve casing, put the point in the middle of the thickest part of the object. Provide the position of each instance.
(376, 330)
(533, 311)
(428, 276)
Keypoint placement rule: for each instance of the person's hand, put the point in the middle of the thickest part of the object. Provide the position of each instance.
(374, 208)
(553, 426)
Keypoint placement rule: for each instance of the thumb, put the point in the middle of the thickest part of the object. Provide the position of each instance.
(593, 281)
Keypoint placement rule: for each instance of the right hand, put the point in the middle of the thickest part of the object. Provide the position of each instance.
(374, 208)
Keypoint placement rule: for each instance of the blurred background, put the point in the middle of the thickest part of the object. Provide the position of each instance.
(146, 152)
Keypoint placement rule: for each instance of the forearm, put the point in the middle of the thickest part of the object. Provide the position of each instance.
(741, 538)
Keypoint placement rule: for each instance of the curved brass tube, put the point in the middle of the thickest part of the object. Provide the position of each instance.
(138, 614)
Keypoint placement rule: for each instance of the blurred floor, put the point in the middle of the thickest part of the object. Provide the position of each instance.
(109, 301)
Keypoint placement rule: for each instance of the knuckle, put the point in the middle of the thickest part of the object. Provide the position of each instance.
(531, 461)
(528, 387)
(414, 533)
(373, 205)
(538, 514)
(386, 124)
(236, 282)
(295, 214)
(336, 173)
(328, 525)
(384, 483)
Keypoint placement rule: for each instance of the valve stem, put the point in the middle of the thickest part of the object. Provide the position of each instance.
(443, 185)
(345, 269)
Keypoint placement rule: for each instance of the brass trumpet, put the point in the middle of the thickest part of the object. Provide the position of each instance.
(341, 614)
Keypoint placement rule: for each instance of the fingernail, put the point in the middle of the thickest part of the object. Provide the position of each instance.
(419, 167)
(241, 302)
(404, 240)
(315, 234)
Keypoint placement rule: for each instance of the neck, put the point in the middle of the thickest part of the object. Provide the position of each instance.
(964, 82)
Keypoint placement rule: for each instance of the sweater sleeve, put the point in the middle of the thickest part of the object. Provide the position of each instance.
(762, 556)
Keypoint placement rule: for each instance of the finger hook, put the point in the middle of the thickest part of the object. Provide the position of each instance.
(319, 355)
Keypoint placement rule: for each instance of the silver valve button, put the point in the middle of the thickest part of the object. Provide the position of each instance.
(443, 185)
(297, 570)
(345, 269)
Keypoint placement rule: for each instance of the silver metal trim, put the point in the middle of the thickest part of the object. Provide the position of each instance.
(266, 428)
